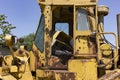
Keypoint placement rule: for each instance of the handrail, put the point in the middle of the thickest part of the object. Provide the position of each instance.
(116, 50)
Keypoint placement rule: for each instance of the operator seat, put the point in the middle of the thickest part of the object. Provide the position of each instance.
(61, 46)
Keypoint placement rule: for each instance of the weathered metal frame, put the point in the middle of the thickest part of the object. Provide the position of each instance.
(84, 33)
(99, 56)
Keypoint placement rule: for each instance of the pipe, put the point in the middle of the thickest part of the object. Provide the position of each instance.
(102, 11)
(118, 28)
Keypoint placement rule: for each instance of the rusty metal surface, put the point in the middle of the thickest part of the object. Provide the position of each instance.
(64, 75)
(93, 0)
(55, 63)
(111, 76)
(55, 75)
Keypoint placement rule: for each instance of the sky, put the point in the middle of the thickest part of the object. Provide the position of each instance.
(25, 14)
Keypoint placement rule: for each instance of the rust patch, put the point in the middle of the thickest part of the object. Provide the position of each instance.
(36, 53)
(20, 52)
(42, 0)
(1, 60)
(50, 74)
(90, 22)
(55, 63)
(49, 32)
(36, 58)
(77, 52)
(47, 44)
(110, 76)
(92, 46)
(47, 52)
(93, 0)
(65, 75)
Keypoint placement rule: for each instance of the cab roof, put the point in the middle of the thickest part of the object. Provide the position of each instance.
(68, 2)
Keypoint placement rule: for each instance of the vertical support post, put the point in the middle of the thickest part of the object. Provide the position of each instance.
(48, 31)
(118, 31)
(118, 28)
(74, 27)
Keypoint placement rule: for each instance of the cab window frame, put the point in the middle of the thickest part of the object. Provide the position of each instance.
(84, 13)
(38, 40)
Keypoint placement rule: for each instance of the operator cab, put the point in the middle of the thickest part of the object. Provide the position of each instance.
(78, 24)
(68, 25)
(62, 21)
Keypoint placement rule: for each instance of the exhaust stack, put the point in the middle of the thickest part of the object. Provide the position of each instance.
(118, 28)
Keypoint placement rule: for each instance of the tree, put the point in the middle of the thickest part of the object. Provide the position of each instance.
(6, 28)
(28, 40)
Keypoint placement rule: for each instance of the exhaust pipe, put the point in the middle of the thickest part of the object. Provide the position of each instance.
(118, 31)
(118, 28)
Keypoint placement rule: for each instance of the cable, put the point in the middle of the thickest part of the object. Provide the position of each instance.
(106, 39)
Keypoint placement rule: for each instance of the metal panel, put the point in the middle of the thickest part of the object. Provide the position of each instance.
(86, 69)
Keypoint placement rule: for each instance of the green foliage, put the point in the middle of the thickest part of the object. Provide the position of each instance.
(28, 40)
(5, 27)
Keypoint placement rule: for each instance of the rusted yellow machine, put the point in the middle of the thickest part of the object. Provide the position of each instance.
(69, 44)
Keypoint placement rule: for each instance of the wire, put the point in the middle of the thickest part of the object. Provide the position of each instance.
(106, 39)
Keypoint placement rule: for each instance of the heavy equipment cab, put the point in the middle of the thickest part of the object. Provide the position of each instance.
(69, 44)
(70, 38)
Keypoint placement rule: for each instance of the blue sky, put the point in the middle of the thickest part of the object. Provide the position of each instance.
(25, 14)
(110, 19)
(110, 22)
